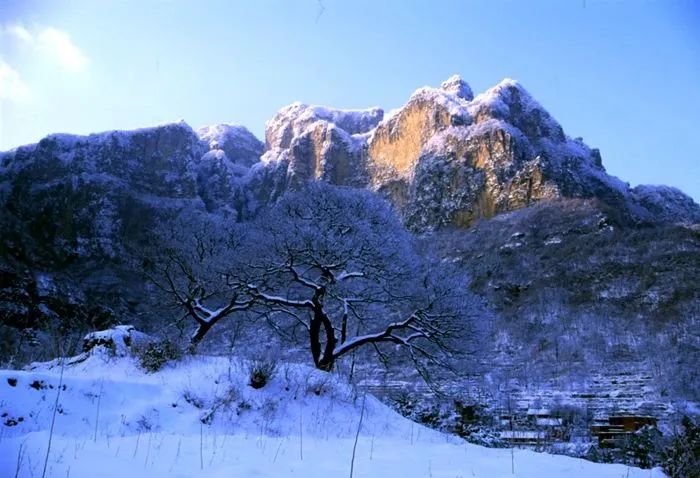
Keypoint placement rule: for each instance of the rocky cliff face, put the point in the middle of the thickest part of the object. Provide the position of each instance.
(84, 191)
(447, 158)
(71, 204)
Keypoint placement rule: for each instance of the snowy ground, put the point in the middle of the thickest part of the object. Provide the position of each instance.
(114, 420)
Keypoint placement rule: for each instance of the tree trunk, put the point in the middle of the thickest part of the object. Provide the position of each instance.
(315, 340)
(322, 360)
(198, 335)
(328, 360)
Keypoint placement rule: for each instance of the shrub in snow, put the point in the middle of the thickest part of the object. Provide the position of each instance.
(681, 457)
(316, 384)
(191, 398)
(405, 403)
(223, 401)
(597, 454)
(143, 424)
(426, 412)
(243, 406)
(261, 372)
(643, 448)
(481, 436)
(157, 354)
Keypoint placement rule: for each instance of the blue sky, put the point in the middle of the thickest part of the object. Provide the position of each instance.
(624, 75)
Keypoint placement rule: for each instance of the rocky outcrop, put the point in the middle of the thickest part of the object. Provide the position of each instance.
(239, 145)
(319, 143)
(447, 158)
(458, 87)
(292, 121)
(121, 340)
(76, 195)
(463, 158)
(326, 152)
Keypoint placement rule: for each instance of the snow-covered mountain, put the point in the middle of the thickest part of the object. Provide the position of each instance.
(444, 158)
(449, 158)
(586, 274)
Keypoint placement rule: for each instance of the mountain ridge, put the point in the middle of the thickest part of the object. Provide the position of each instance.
(447, 157)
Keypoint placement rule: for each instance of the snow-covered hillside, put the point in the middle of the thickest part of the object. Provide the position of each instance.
(200, 417)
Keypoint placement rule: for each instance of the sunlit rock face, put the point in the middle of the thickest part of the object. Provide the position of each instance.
(447, 158)
(395, 146)
(460, 158)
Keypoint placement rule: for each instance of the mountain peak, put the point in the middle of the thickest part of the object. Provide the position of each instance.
(239, 144)
(456, 85)
(292, 120)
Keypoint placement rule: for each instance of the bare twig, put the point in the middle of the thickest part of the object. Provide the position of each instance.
(53, 416)
(97, 413)
(357, 435)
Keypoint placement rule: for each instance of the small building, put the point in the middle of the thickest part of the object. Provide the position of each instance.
(632, 423)
(613, 433)
(539, 413)
(549, 422)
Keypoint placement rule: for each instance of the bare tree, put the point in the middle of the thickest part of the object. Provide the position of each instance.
(335, 260)
(334, 263)
(194, 264)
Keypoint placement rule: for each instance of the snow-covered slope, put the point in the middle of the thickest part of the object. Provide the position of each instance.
(201, 418)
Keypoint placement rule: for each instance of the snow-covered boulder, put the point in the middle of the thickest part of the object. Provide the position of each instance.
(121, 340)
(118, 341)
